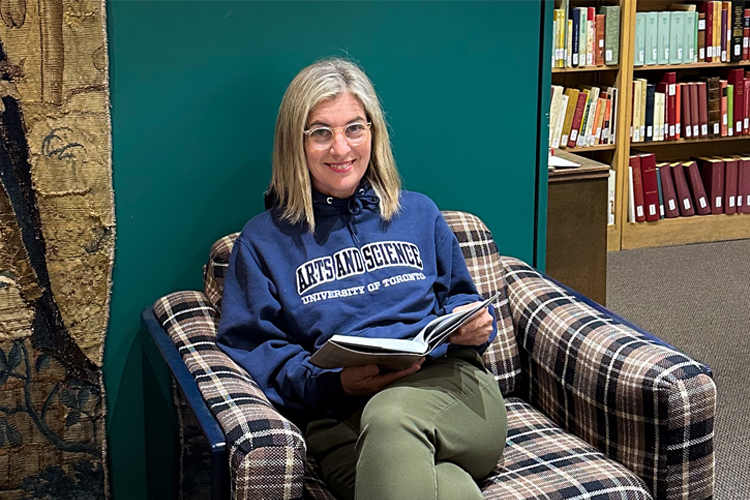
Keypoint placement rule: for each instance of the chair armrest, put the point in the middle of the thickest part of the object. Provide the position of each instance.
(266, 452)
(633, 396)
(189, 388)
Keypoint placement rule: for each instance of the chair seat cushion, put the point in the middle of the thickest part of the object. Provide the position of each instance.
(541, 461)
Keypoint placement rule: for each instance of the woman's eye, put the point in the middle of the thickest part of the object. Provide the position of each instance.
(320, 133)
(355, 128)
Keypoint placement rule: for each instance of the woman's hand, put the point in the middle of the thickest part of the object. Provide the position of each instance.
(367, 379)
(474, 332)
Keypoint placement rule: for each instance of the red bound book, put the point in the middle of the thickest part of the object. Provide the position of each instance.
(650, 186)
(746, 121)
(701, 202)
(683, 192)
(671, 204)
(712, 175)
(740, 178)
(702, 108)
(670, 78)
(599, 30)
(577, 118)
(678, 111)
(635, 164)
(744, 188)
(737, 78)
(730, 185)
(694, 109)
(708, 9)
(687, 122)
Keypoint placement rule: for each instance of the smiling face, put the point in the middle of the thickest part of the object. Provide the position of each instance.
(336, 171)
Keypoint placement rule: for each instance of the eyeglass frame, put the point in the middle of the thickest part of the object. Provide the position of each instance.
(306, 133)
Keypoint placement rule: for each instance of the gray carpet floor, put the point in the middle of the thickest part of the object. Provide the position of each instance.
(697, 298)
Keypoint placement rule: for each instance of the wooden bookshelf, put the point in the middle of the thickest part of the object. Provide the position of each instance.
(684, 230)
(680, 230)
(618, 76)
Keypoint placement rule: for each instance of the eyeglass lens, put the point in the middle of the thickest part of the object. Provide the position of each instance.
(323, 136)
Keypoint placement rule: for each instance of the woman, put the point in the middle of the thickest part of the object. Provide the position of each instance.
(343, 250)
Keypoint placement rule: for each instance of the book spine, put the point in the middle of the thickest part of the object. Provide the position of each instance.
(730, 186)
(577, 118)
(661, 193)
(702, 108)
(582, 36)
(640, 214)
(746, 35)
(612, 35)
(714, 107)
(701, 41)
(591, 37)
(686, 114)
(611, 190)
(730, 109)
(723, 84)
(678, 112)
(737, 79)
(676, 35)
(640, 39)
(576, 35)
(599, 22)
(724, 30)
(651, 43)
(688, 53)
(737, 30)
(707, 9)
(650, 94)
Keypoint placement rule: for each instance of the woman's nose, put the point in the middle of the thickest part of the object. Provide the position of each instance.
(340, 145)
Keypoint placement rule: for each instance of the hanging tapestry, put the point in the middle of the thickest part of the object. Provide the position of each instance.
(56, 247)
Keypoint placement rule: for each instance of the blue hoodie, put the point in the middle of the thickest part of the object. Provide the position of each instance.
(288, 291)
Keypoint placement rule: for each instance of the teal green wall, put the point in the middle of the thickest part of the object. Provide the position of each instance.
(195, 88)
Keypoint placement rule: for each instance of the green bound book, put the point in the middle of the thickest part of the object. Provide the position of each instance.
(662, 38)
(652, 47)
(611, 34)
(730, 110)
(676, 36)
(688, 51)
(640, 39)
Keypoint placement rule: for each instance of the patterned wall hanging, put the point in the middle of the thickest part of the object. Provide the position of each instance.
(56, 247)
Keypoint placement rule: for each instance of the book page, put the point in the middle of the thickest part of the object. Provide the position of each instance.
(439, 329)
(393, 345)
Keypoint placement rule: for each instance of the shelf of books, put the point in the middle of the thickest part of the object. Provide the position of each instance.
(675, 97)
(587, 106)
(687, 178)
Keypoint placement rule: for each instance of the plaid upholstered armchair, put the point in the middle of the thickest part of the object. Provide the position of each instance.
(597, 408)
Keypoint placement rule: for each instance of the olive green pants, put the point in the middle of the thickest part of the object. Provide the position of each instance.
(430, 435)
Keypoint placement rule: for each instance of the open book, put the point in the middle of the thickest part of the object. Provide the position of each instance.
(392, 354)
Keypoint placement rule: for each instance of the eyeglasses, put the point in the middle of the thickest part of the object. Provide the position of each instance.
(321, 137)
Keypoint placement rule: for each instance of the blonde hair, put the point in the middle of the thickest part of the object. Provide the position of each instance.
(290, 178)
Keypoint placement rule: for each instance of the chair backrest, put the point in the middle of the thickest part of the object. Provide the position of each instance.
(483, 260)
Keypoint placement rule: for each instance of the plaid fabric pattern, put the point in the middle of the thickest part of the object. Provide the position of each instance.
(542, 461)
(215, 270)
(483, 260)
(645, 405)
(266, 451)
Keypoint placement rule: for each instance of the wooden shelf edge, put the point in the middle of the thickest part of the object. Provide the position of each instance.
(679, 142)
(698, 65)
(686, 230)
(599, 147)
(585, 69)
(613, 238)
